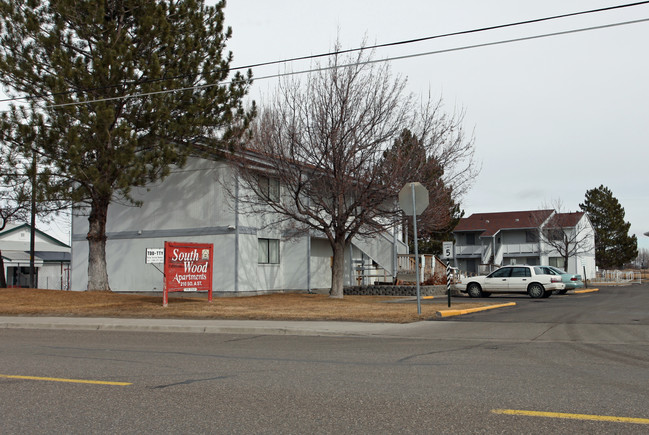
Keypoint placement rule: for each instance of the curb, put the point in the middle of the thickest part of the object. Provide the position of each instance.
(449, 313)
(302, 328)
(590, 290)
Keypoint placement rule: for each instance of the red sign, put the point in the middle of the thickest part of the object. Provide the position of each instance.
(188, 267)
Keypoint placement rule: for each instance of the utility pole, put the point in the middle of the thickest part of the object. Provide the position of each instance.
(32, 235)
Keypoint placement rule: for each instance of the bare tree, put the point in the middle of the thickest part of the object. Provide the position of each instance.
(564, 234)
(25, 192)
(643, 258)
(12, 207)
(324, 142)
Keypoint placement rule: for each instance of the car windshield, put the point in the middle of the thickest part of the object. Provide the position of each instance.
(560, 271)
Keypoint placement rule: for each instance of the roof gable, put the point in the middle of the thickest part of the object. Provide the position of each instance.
(12, 229)
(491, 223)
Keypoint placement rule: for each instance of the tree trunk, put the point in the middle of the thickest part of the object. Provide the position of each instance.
(338, 269)
(565, 263)
(97, 273)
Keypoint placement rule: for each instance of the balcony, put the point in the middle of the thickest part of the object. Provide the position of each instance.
(505, 249)
(521, 248)
(471, 250)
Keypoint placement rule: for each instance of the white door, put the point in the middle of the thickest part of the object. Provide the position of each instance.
(519, 279)
(497, 281)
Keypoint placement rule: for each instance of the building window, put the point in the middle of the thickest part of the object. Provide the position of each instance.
(554, 234)
(268, 251)
(470, 239)
(269, 188)
(531, 236)
(556, 262)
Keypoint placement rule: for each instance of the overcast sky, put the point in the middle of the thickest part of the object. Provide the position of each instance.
(553, 117)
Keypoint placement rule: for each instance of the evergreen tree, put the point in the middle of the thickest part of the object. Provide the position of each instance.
(613, 245)
(435, 225)
(117, 91)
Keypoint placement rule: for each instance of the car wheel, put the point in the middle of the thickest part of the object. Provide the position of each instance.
(562, 292)
(474, 290)
(536, 291)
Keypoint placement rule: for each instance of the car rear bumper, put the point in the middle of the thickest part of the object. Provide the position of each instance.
(555, 286)
(573, 286)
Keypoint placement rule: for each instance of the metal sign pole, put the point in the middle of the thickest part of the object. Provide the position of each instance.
(414, 230)
(408, 203)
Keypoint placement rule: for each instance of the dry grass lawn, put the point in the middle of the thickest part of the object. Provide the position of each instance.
(282, 306)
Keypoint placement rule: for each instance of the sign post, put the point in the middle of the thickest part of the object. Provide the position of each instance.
(447, 252)
(188, 268)
(448, 281)
(413, 199)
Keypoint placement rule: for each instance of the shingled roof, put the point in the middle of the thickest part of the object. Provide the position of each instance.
(565, 220)
(490, 223)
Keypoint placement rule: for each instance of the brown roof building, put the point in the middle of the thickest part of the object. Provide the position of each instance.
(484, 241)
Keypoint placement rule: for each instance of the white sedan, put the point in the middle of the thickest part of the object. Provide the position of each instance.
(536, 281)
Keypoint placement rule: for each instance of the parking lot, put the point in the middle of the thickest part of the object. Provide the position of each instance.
(611, 304)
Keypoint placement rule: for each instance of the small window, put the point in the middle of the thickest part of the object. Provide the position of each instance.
(470, 239)
(269, 188)
(531, 236)
(520, 272)
(501, 273)
(554, 234)
(268, 251)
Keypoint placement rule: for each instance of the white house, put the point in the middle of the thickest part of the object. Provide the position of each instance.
(492, 239)
(251, 254)
(51, 258)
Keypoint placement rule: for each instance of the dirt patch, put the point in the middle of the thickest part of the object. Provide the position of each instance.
(278, 306)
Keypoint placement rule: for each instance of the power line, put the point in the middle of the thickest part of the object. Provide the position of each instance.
(428, 53)
(351, 50)
(445, 35)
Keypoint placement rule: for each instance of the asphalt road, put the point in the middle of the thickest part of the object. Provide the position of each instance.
(488, 372)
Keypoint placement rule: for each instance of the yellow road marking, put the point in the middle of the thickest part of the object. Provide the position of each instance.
(588, 290)
(77, 381)
(572, 416)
